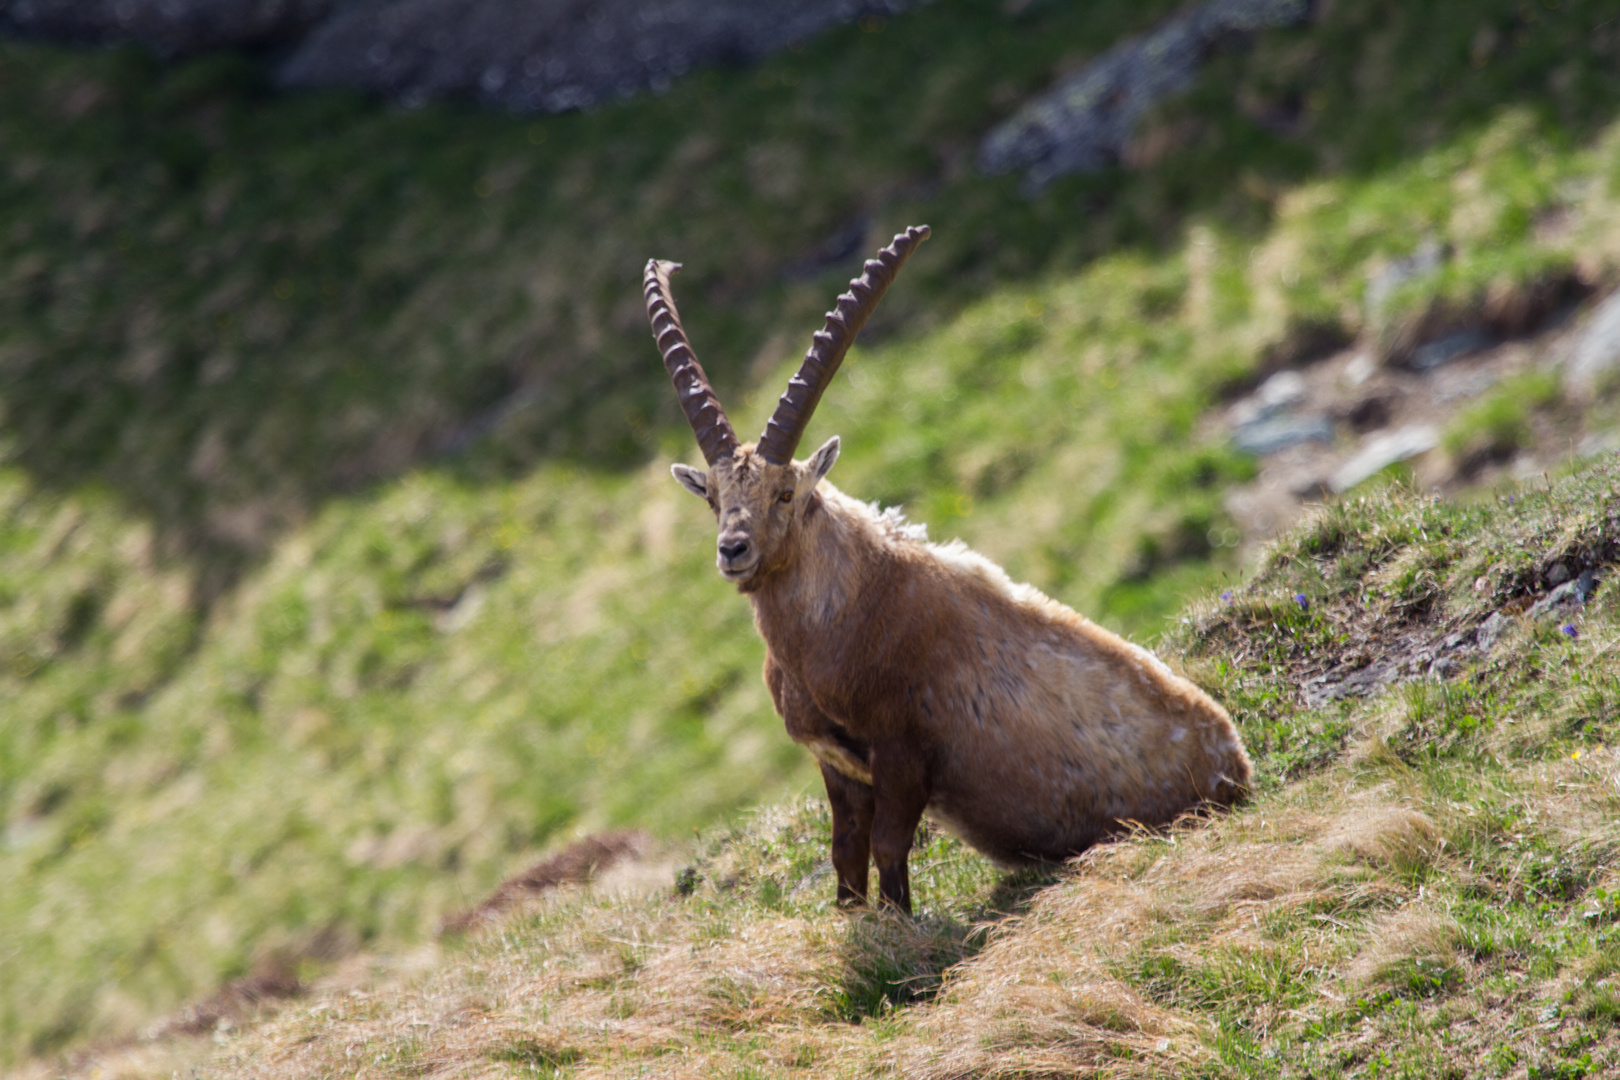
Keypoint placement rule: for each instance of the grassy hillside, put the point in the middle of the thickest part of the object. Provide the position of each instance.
(1425, 884)
(340, 565)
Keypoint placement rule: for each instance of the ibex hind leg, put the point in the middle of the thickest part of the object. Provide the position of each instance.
(852, 833)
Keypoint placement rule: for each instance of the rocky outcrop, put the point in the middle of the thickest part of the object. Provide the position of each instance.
(1084, 122)
(170, 28)
(1597, 352)
(567, 54)
(521, 55)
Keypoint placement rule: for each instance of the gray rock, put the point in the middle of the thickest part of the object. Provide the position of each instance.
(1597, 353)
(1445, 663)
(1381, 285)
(519, 55)
(170, 28)
(1282, 391)
(1567, 598)
(1360, 368)
(1444, 350)
(1083, 123)
(1273, 433)
(568, 54)
(1458, 385)
(1335, 686)
(1586, 584)
(1491, 630)
(1382, 450)
(1262, 423)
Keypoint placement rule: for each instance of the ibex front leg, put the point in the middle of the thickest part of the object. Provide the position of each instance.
(900, 793)
(852, 833)
(840, 756)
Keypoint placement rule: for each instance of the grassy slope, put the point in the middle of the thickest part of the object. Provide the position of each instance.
(1425, 884)
(279, 678)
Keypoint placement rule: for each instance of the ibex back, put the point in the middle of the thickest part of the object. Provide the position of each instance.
(919, 674)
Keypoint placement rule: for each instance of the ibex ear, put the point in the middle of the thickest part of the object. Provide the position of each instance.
(694, 480)
(821, 462)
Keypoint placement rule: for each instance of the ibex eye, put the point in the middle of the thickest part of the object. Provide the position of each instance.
(785, 497)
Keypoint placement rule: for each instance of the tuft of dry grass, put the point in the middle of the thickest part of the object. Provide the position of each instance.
(1414, 947)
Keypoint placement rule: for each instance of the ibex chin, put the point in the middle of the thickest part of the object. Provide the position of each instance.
(919, 674)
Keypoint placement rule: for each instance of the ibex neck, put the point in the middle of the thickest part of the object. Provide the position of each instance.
(839, 551)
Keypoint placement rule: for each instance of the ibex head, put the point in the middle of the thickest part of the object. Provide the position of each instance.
(757, 491)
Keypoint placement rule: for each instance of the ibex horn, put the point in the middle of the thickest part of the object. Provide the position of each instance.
(714, 434)
(827, 348)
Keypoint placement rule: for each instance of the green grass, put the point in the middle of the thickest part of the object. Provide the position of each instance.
(1499, 423)
(1516, 914)
(291, 658)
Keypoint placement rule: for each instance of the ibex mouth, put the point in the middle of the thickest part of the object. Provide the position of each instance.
(740, 570)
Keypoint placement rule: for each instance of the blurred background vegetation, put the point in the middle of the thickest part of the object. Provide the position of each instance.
(340, 569)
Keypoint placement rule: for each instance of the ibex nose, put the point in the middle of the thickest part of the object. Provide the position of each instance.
(733, 551)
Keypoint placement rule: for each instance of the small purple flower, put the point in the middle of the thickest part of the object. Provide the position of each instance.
(1569, 630)
(1226, 597)
(1303, 601)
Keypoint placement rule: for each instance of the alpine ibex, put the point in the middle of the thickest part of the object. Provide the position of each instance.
(919, 674)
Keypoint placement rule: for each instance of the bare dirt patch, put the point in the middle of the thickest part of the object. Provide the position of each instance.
(577, 864)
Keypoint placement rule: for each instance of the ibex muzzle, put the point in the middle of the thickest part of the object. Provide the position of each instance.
(920, 676)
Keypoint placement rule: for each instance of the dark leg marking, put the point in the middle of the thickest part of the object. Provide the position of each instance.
(852, 833)
(900, 792)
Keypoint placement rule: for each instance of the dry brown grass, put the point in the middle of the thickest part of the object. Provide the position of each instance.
(1313, 898)
(672, 987)
(1312, 901)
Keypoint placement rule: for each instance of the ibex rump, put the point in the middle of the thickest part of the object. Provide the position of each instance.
(919, 674)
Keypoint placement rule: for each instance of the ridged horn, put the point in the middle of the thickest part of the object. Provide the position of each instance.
(714, 433)
(827, 348)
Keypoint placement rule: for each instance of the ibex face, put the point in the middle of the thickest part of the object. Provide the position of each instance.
(758, 491)
(757, 506)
